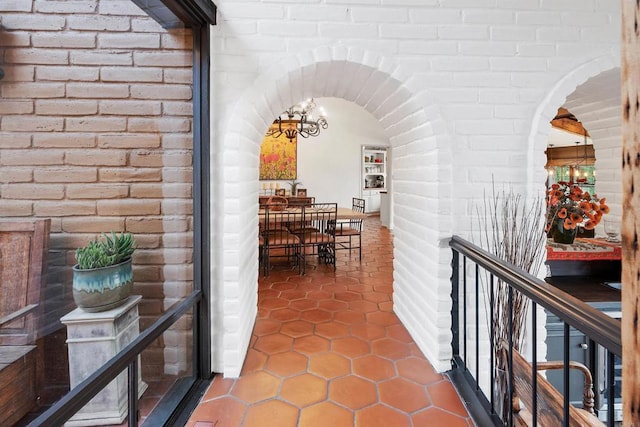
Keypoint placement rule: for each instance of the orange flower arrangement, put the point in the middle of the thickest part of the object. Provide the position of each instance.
(568, 203)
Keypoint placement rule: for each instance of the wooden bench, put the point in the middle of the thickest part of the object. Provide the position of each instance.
(24, 246)
(550, 402)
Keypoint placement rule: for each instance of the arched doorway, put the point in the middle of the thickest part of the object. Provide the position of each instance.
(421, 199)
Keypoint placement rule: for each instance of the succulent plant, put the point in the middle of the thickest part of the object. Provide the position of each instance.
(112, 249)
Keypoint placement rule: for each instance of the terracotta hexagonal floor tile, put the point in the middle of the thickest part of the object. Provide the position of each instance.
(268, 293)
(333, 305)
(376, 297)
(383, 318)
(391, 348)
(255, 387)
(349, 317)
(223, 412)
(286, 364)
(283, 286)
(332, 330)
(374, 367)
(347, 296)
(284, 314)
(272, 303)
(325, 414)
(275, 343)
(218, 387)
(304, 390)
(266, 327)
(404, 395)
(317, 295)
(316, 315)
(399, 332)
(297, 328)
(444, 396)
(437, 417)
(353, 392)
(386, 307)
(418, 370)
(382, 416)
(273, 413)
(254, 361)
(363, 306)
(303, 304)
(311, 344)
(329, 365)
(367, 331)
(350, 346)
(292, 294)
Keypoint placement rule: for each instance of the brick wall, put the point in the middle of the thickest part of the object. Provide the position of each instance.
(463, 88)
(95, 133)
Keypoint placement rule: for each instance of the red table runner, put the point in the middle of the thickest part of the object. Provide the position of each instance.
(584, 250)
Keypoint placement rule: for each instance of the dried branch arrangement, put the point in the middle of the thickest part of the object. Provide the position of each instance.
(513, 231)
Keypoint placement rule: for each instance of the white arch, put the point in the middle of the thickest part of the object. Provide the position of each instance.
(548, 108)
(421, 195)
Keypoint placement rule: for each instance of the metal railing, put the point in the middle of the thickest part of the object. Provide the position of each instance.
(80, 395)
(468, 357)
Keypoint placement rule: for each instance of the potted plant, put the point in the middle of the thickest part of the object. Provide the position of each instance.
(294, 186)
(569, 207)
(103, 275)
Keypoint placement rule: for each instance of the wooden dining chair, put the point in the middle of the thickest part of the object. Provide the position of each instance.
(317, 233)
(347, 231)
(278, 242)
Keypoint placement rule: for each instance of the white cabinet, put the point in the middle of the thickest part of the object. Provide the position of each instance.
(373, 175)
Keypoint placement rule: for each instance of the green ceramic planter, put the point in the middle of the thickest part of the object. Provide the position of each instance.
(102, 289)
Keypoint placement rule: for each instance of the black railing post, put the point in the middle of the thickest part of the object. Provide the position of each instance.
(464, 308)
(534, 362)
(455, 306)
(132, 374)
(477, 355)
(492, 333)
(611, 388)
(510, 388)
(565, 373)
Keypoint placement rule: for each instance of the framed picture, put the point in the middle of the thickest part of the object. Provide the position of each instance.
(302, 192)
(281, 192)
(279, 158)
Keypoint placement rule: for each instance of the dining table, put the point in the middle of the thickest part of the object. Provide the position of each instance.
(341, 212)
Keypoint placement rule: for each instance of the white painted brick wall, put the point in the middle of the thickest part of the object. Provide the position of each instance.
(484, 81)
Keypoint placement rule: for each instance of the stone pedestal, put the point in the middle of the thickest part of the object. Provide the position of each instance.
(93, 339)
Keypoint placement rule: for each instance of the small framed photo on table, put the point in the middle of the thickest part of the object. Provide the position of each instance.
(302, 192)
(281, 192)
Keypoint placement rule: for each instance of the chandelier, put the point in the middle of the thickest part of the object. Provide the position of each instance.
(298, 120)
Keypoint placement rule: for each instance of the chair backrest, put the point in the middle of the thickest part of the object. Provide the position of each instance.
(322, 218)
(357, 204)
(277, 225)
(24, 245)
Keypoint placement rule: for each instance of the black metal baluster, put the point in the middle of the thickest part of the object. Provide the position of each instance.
(611, 388)
(510, 334)
(534, 363)
(477, 328)
(132, 371)
(455, 306)
(464, 308)
(565, 374)
(491, 343)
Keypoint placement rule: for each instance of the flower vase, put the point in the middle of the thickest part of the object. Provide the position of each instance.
(562, 235)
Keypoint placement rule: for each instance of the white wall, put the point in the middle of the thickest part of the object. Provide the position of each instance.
(464, 90)
(329, 164)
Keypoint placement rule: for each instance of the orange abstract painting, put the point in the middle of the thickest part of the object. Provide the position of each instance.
(278, 158)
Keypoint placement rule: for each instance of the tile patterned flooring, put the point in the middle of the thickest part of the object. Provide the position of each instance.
(327, 350)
